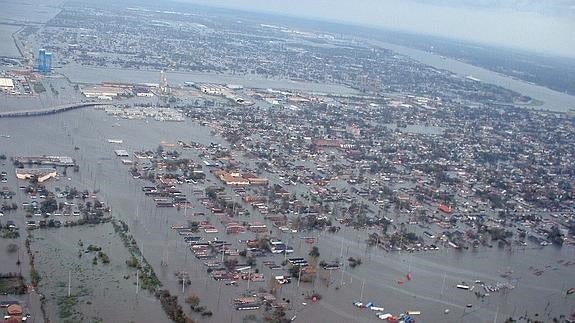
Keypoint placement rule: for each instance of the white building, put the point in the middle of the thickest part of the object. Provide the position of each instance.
(6, 83)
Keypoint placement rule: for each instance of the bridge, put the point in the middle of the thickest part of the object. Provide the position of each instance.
(52, 110)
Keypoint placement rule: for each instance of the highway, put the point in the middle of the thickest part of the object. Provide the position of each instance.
(50, 110)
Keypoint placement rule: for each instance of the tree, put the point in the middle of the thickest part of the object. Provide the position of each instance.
(230, 264)
(555, 236)
(193, 300)
(314, 252)
(49, 205)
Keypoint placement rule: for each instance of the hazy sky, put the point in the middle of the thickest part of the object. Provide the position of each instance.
(546, 26)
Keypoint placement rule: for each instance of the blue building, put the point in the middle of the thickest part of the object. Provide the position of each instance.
(48, 62)
(44, 61)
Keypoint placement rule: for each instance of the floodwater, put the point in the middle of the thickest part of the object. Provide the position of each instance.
(102, 291)
(8, 47)
(28, 11)
(100, 169)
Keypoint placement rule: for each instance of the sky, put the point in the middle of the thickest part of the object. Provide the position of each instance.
(544, 26)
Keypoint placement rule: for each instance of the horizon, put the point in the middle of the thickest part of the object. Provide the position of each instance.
(544, 30)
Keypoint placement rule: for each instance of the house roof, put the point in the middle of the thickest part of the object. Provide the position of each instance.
(14, 309)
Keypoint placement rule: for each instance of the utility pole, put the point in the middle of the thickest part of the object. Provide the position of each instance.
(443, 285)
(249, 278)
(362, 286)
(299, 277)
(69, 282)
(184, 282)
(342, 271)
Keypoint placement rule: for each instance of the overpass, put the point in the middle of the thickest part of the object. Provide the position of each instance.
(51, 110)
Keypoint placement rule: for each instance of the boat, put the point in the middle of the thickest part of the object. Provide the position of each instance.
(571, 291)
(247, 307)
(461, 286)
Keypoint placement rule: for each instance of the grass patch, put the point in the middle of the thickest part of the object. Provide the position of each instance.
(12, 283)
(38, 87)
(66, 306)
(10, 234)
(35, 276)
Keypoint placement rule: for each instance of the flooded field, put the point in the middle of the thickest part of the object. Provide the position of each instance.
(99, 292)
(380, 279)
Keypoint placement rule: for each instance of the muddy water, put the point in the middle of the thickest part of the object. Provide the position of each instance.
(100, 169)
(102, 291)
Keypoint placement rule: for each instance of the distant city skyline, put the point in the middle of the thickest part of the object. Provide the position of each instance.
(546, 27)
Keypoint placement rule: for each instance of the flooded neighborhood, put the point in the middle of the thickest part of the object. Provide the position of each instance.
(193, 164)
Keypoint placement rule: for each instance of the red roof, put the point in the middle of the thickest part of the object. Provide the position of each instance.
(14, 309)
(445, 208)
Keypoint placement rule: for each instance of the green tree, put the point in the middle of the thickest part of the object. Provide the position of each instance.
(314, 252)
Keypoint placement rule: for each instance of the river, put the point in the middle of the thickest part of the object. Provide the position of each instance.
(552, 100)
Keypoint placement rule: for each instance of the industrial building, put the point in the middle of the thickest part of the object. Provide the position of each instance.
(42, 174)
(6, 84)
(103, 91)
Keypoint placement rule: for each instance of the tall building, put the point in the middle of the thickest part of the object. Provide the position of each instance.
(41, 59)
(48, 63)
(44, 61)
